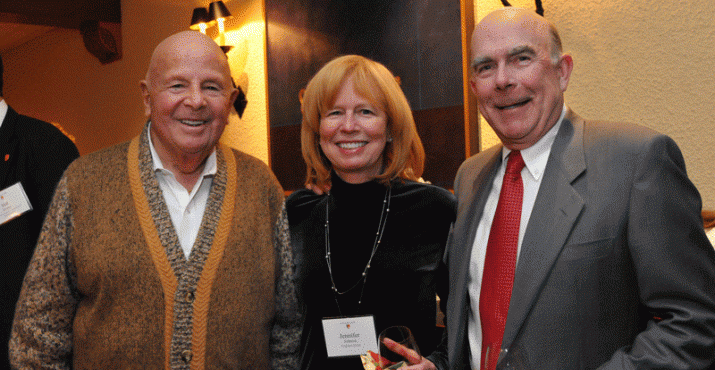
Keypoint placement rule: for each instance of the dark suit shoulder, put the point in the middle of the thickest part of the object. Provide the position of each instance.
(37, 136)
(35, 130)
(43, 130)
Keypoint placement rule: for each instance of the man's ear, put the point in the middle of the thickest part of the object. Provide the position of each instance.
(234, 95)
(145, 97)
(472, 84)
(565, 67)
(232, 98)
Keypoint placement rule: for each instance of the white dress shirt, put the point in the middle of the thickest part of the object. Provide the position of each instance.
(186, 208)
(3, 110)
(535, 158)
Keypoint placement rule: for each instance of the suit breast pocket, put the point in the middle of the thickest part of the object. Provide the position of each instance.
(587, 251)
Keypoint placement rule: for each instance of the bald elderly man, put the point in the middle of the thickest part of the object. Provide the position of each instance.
(168, 251)
(598, 259)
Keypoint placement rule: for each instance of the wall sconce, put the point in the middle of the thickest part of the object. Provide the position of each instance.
(219, 13)
(200, 20)
(539, 6)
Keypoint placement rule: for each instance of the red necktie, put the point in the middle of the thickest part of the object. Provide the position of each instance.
(500, 261)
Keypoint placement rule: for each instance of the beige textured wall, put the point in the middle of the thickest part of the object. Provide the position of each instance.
(56, 79)
(649, 62)
(247, 33)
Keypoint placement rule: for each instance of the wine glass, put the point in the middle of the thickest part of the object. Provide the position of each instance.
(508, 359)
(403, 350)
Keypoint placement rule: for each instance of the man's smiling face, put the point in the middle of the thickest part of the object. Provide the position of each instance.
(188, 95)
(519, 87)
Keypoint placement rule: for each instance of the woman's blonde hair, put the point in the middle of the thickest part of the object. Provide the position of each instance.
(404, 155)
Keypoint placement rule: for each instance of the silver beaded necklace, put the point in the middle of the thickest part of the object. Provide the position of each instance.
(376, 244)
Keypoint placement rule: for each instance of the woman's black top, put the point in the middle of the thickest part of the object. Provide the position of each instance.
(406, 271)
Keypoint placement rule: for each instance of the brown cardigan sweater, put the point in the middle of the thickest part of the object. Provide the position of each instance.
(109, 286)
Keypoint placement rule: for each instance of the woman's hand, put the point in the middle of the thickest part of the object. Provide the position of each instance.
(416, 361)
(316, 189)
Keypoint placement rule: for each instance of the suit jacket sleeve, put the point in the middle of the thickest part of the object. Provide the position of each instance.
(439, 356)
(456, 252)
(674, 266)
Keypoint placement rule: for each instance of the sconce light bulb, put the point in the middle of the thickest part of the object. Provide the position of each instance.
(220, 25)
(202, 28)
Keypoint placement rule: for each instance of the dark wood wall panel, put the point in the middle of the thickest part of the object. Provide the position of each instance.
(286, 158)
(442, 134)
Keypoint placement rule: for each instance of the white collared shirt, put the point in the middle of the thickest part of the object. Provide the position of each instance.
(535, 158)
(3, 110)
(185, 208)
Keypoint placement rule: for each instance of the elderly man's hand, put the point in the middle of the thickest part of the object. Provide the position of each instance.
(416, 361)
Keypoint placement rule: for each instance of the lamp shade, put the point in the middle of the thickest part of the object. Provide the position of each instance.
(217, 10)
(200, 15)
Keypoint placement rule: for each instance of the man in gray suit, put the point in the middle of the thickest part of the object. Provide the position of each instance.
(612, 268)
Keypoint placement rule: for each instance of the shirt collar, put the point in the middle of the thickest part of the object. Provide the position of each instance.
(536, 156)
(209, 167)
(3, 110)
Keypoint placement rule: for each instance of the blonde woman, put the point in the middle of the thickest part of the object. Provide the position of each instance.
(370, 248)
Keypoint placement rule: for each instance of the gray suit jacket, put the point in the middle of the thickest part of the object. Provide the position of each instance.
(615, 270)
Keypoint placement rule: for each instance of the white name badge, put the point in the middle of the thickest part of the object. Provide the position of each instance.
(13, 202)
(350, 336)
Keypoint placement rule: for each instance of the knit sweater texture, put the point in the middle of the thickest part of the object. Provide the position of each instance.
(109, 286)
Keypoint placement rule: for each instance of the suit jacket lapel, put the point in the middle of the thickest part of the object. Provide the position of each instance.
(555, 212)
(472, 194)
(475, 197)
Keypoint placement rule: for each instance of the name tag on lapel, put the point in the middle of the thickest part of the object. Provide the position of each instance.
(13, 202)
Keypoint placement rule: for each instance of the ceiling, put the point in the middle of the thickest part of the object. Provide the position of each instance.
(24, 20)
(15, 34)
